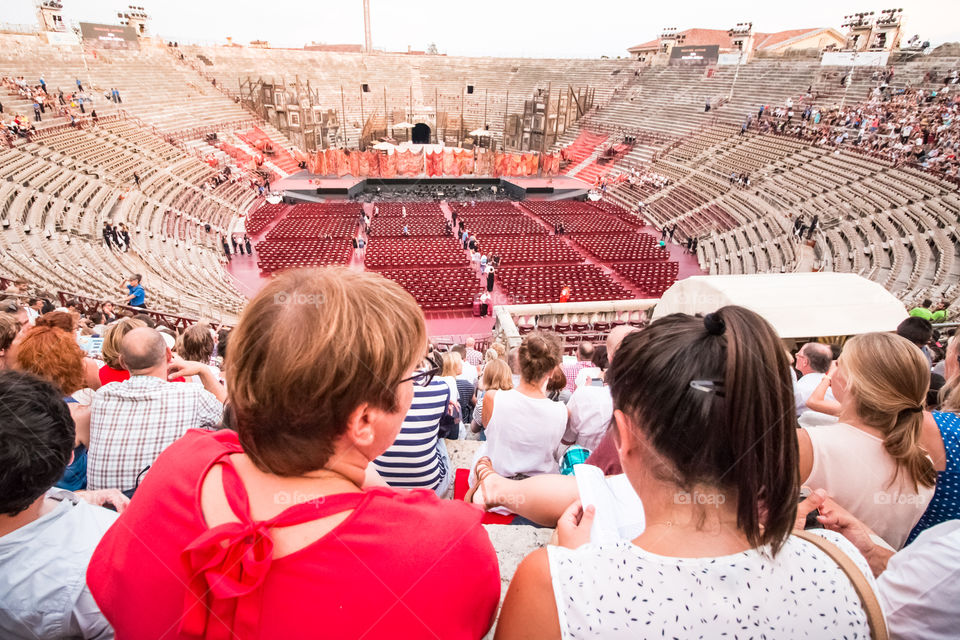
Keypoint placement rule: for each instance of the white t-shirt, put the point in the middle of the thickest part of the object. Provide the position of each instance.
(590, 409)
(804, 388)
(523, 433)
(619, 590)
(920, 588)
(594, 373)
(469, 373)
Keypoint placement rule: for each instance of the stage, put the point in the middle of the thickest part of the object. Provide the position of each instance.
(307, 187)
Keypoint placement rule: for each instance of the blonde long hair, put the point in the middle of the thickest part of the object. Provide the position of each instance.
(887, 379)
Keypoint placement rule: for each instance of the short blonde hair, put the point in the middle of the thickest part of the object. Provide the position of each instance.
(113, 336)
(491, 354)
(497, 376)
(499, 348)
(310, 348)
(452, 364)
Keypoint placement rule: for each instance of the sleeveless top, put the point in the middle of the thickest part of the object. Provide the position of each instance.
(946, 499)
(620, 590)
(523, 434)
(402, 564)
(852, 466)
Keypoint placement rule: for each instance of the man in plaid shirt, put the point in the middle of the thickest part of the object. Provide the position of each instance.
(473, 356)
(133, 421)
(584, 356)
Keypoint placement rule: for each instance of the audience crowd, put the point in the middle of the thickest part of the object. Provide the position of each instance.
(292, 474)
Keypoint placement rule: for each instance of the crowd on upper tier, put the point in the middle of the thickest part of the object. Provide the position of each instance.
(288, 476)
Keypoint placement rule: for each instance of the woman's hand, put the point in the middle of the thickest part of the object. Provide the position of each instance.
(573, 527)
(103, 497)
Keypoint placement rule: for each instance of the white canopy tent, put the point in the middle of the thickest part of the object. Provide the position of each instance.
(798, 305)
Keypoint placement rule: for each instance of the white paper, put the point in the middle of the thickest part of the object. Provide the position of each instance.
(619, 510)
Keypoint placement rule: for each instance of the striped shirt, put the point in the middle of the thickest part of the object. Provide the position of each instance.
(414, 460)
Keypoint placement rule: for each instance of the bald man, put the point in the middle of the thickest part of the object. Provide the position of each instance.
(590, 408)
(813, 362)
(133, 421)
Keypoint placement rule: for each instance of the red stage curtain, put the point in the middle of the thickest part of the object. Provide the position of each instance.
(499, 162)
(331, 157)
(434, 164)
(516, 160)
(410, 163)
(355, 164)
(485, 163)
(449, 163)
(388, 165)
(465, 162)
(363, 164)
(417, 162)
(373, 163)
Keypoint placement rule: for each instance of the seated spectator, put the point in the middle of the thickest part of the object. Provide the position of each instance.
(590, 408)
(55, 356)
(112, 370)
(941, 440)
(556, 388)
(593, 374)
(315, 401)
(881, 381)
(523, 426)
(496, 377)
(813, 362)
(584, 355)
(923, 311)
(133, 421)
(704, 410)
(196, 344)
(918, 587)
(418, 458)
(69, 322)
(919, 331)
(9, 330)
(47, 535)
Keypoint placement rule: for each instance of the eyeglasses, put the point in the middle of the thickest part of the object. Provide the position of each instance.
(423, 378)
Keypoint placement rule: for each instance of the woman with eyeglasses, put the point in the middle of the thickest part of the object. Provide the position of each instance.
(418, 458)
(269, 531)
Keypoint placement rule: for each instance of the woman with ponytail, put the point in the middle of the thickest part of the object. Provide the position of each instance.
(705, 429)
(872, 461)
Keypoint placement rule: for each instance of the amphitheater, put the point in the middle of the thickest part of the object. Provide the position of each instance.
(148, 161)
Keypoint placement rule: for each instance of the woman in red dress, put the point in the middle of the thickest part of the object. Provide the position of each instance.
(273, 530)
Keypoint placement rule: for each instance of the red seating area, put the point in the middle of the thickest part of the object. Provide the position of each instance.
(617, 211)
(621, 247)
(503, 224)
(306, 228)
(384, 253)
(272, 151)
(596, 222)
(483, 207)
(653, 278)
(277, 255)
(527, 249)
(416, 209)
(262, 217)
(531, 285)
(350, 210)
(446, 288)
(416, 226)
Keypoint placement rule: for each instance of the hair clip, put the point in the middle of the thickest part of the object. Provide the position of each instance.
(708, 386)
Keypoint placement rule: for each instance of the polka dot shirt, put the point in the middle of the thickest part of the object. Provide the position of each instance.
(945, 504)
(619, 590)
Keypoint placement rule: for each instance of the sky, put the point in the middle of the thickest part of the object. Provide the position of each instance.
(560, 28)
